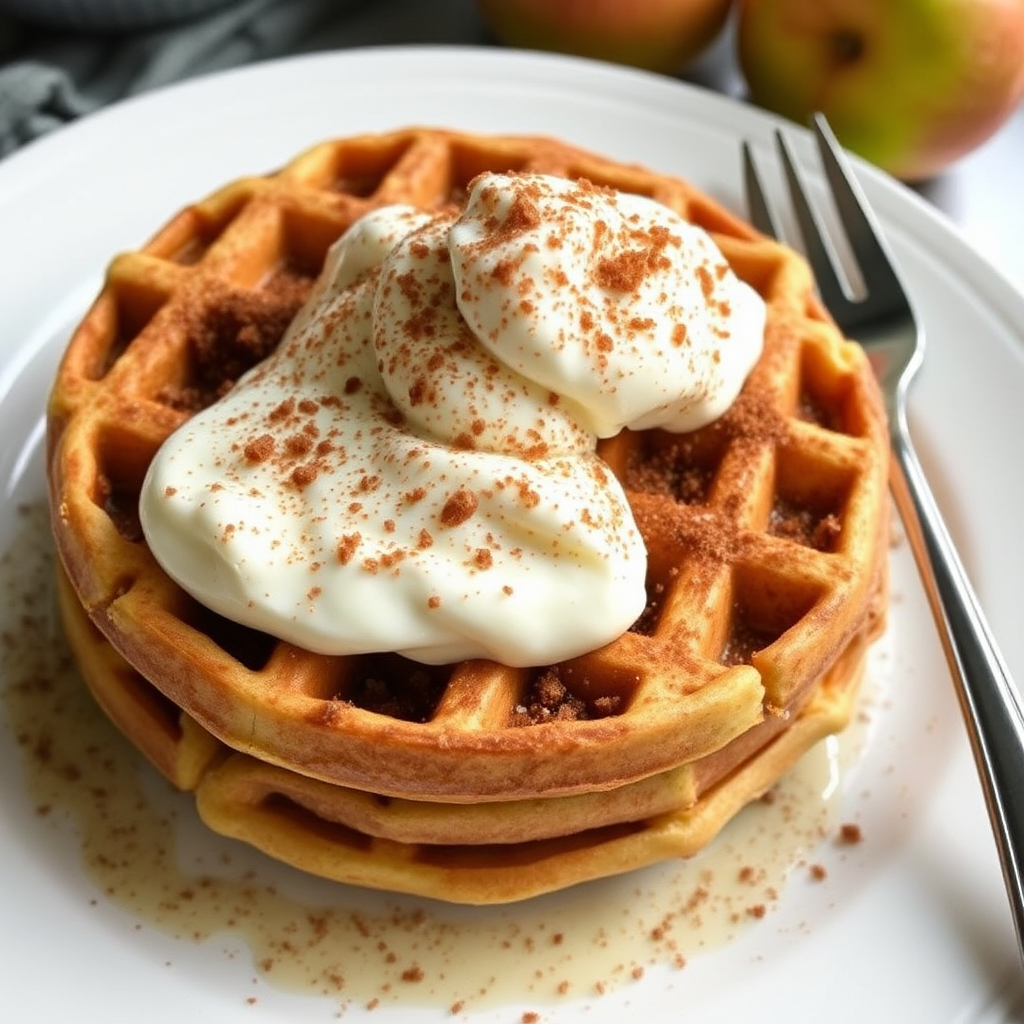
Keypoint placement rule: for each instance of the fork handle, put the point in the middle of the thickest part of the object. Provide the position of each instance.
(990, 701)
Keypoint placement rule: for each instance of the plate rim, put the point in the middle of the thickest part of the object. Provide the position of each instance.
(985, 278)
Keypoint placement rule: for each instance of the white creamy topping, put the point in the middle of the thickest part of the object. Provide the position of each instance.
(414, 468)
(609, 300)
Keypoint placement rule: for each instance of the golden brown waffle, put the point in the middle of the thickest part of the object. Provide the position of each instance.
(766, 531)
(463, 853)
(181, 749)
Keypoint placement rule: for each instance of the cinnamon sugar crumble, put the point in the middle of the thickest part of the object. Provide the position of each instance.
(459, 508)
(229, 331)
(805, 527)
(549, 699)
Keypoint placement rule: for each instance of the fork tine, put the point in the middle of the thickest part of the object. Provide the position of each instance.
(758, 209)
(863, 233)
(820, 253)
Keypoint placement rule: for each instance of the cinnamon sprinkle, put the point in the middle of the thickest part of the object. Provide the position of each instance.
(459, 508)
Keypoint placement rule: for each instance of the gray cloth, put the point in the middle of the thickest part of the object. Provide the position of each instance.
(34, 99)
(52, 78)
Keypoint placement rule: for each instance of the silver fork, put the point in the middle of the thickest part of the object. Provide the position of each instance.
(884, 323)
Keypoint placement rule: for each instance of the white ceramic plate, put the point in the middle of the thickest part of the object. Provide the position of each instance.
(909, 925)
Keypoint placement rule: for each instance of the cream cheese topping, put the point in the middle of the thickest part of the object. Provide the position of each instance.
(414, 468)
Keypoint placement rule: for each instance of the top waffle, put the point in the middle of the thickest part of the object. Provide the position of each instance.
(766, 531)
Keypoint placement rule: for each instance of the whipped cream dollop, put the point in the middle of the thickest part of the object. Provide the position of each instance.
(414, 468)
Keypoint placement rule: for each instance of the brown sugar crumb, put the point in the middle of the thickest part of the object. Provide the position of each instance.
(549, 699)
(530, 1017)
(818, 872)
(804, 526)
(459, 508)
(229, 331)
(670, 472)
(850, 834)
(826, 534)
(758, 910)
(608, 705)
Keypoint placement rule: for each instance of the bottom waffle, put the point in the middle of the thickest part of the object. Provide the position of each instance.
(484, 853)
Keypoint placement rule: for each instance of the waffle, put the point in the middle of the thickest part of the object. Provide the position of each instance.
(766, 534)
(465, 853)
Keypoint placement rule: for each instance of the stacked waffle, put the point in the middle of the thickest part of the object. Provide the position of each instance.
(766, 534)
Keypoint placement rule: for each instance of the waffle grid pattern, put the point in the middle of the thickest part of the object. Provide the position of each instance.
(766, 531)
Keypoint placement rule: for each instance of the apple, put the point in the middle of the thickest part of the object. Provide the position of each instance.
(911, 85)
(658, 35)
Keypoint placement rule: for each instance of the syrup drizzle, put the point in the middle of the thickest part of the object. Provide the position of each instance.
(144, 850)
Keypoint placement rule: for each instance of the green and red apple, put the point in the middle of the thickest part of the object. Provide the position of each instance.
(659, 35)
(911, 85)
